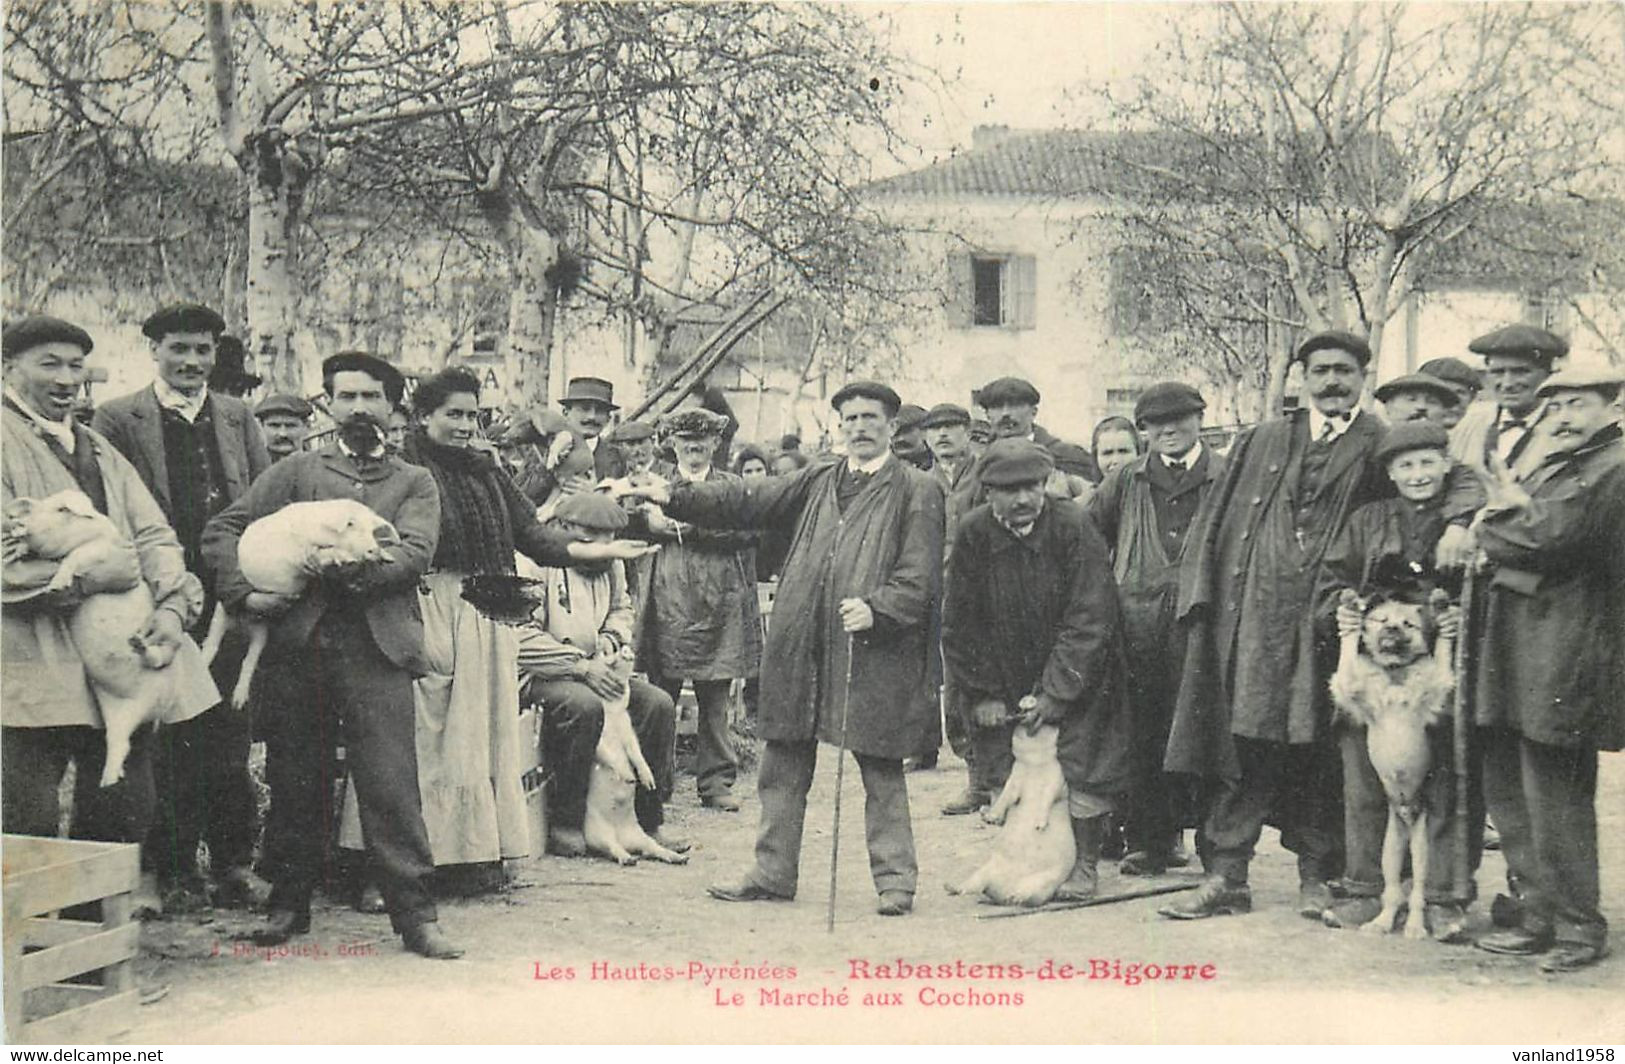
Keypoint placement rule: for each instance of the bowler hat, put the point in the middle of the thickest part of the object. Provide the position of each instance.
(1167, 400)
(945, 414)
(183, 318)
(589, 390)
(1412, 436)
(1418, 382)
(1014, 461)
(1595, 378)
(291, 405)
(373, 366)
(1521, 341)
(590, 509)
(1334, 340)
(37, 329)
(880, 393)
(1006, 390)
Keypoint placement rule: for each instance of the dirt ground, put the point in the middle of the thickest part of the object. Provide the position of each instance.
(557, 958)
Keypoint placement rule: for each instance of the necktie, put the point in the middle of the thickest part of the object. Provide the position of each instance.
(1175, 466)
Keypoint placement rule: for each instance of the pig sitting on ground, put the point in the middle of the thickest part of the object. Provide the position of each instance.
(1035, 850)
(611, 827)
(283, 552)
(135, 683)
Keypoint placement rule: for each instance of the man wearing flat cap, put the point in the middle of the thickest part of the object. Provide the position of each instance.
(636, 439)
(1517, 359)
(908, 442)
(50, 715)
(197, 449)
(284, 421)
(1146, 510)
(1032, 636)
(1416, 397)
(1460, 378)
(852, 656)
(589, 403)
(1551, 665)
(1252, 716)
(1011, 405)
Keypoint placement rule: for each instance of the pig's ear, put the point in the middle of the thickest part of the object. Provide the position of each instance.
(77, 503)
(384, 535)
(19, 509)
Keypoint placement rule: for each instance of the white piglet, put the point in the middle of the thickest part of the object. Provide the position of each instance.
(283, 552)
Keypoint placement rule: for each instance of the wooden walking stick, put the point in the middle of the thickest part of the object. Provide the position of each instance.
(840, 768)
(1461, 873)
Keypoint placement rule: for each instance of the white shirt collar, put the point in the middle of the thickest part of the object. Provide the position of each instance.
(62, 430)
(872, 466)
(693, 478)
(187, 406)
(592, 443)
(1503, 416)
(1188, 459)
(1319, 421)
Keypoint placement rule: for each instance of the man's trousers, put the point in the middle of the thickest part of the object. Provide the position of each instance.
(33, 760)
(573, 721)
(715, 764)
(1297, 787)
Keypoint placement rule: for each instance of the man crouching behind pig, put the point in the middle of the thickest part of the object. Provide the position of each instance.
(51, 716)
(1031, 610)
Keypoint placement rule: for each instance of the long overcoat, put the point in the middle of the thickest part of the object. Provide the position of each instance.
(1551, 663)
(1039, 614)
(887, 549)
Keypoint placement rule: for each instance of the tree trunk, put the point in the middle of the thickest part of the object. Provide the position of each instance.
(532, 313)
(272, 267)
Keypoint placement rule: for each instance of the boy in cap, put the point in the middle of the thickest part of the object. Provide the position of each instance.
(1388, 547)
(1551, 664)
(1145, 511)
(284, 420)
(197, 449)
(1031, 635)
(565, 659)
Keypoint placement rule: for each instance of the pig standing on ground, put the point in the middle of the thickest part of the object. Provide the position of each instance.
(285, 551)
(135, 683)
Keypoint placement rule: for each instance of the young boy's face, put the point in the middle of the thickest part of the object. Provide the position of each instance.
(1419, 475)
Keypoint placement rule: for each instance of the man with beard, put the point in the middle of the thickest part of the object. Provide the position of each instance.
(197, 450)
(341, 661)
(1252, 716)
(1551, 665)
(284, 420)
(1031, 633)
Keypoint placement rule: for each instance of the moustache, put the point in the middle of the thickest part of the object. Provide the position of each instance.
(1334, 390)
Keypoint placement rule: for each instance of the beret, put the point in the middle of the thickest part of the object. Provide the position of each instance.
(37, 329)
(1334, 339)
(373, 366)
(1418, 382)
(868, 390)
(1452, 370)
(910, 416)
(946, 414)
(284, 404)
(1165, 400)
(183, 318)
(692, 422)
(1412, 436)
(1014, 461)
(980, 429)
(632, 431)
(591, 509)
(1598, 378)
(1521, 341)
(1006, 390)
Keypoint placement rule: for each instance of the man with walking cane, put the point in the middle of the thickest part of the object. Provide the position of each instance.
(851, 658)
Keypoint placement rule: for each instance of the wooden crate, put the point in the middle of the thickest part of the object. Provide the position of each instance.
(40, 877)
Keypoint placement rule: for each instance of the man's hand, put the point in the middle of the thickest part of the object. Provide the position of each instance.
(989, 713)
(601, 679)
(1449, 620)
(1456, 548)
(1350, 619)
(1039, 710)
(575, 485)
(268, 603)
(625, 550)
(655, 489)
(163, 629)
(856, 616)
(1504, 490)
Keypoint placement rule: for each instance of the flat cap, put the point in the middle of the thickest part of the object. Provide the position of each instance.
(945, 414)
(589, 390)
(37, 329)
(880, 393)
(291, 405)
(981, 430)
(1338, 340)
(632, 431)
(1006, 390)
(692, 422)
(1452, 371)
(1412, 436)
(1596, 377)
(1165, 400)
(1521, 341)
(1014, 461)
(183, 318)
(790, 442)
(373, 366)
(1418, 382)
(591, 509)
(910, 416)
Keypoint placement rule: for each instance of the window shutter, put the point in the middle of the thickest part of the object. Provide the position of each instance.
(1023, 279)
(961, 291)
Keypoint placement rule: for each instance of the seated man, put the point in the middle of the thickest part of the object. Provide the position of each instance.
(565, 656)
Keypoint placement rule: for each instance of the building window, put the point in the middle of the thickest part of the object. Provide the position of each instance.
(1122, 400)
(996, 291)
(987, 275)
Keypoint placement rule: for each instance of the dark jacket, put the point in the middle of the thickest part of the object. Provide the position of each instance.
(1069, 457)
(1032, 614)
(1551, 661)
(134, 424)
(886, 549)
(404, 495)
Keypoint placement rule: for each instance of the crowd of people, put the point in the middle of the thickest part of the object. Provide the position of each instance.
(1173, 607)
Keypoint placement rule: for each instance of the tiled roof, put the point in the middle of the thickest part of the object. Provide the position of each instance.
(1041, 163)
